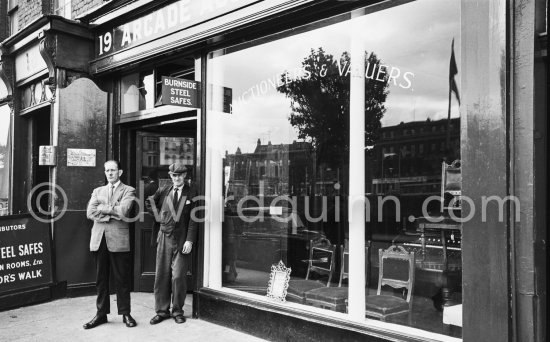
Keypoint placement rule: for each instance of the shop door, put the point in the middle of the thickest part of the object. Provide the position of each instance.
(156, 148)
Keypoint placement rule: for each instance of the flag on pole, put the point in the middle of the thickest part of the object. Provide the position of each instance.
(453, 70)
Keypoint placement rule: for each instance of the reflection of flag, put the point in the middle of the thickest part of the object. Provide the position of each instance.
(453, 70)
(389, 154)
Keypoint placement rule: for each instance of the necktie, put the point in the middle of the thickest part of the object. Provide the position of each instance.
(111, 191)
(176, 198)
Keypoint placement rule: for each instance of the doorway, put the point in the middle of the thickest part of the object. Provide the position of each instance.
(157, 145)
(40, 135)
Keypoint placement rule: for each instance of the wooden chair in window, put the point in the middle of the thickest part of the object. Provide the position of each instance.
(451, 186)
(321, 261)
(397, 271)
(344, 271)
(336, 298)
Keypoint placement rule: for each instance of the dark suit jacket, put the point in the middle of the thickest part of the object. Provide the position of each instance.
(186, 228)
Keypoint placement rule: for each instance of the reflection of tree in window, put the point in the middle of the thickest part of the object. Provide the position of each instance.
(320, 104)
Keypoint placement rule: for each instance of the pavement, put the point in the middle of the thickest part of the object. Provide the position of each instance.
(62, 320)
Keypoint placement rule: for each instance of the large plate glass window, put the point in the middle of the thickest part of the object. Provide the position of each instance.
(281, 162)
(137, 92)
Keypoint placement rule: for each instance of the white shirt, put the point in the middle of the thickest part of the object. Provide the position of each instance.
(113, 186)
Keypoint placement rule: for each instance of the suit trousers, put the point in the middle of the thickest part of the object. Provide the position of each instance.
(119, 262)
(171, 276)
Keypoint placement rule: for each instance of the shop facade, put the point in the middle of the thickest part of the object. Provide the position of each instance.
(40, 187)
(429, 146)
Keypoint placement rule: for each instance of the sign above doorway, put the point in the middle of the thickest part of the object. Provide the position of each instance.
(180, 92)
(161, 22)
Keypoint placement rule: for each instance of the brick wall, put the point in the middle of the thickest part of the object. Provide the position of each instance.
(29, 10)
(82, 6)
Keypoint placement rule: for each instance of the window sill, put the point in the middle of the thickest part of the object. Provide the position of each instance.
(370, 327)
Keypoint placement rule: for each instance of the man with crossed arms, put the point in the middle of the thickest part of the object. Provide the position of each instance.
(172, 206)
(109, 208)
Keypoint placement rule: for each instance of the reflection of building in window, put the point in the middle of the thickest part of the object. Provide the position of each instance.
(273, 169)
(176, 149)
(151, 153)
(408, 169)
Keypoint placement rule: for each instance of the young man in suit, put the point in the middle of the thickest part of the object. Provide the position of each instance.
(109, 208)
(172, 206)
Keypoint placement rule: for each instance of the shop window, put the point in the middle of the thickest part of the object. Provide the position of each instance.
(3, 91)
(143, 90)
(137, 92)
(299, 96)
(5, 158)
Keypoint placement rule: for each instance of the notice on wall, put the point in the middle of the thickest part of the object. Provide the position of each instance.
(180, 92)
(81, 157)
(46, 155)
(25, 253)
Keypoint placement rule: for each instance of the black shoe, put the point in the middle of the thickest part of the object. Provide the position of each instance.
(129, 320)
(180, 319)
(97, 320)
(157, 319)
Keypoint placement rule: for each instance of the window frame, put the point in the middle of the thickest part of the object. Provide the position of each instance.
(212, 278)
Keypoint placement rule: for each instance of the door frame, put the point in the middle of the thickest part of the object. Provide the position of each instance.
(132, 155)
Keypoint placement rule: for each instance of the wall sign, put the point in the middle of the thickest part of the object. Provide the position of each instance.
(46, 155)
(81, 157)
(166, 20)
(180, 92)
(25, 253)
